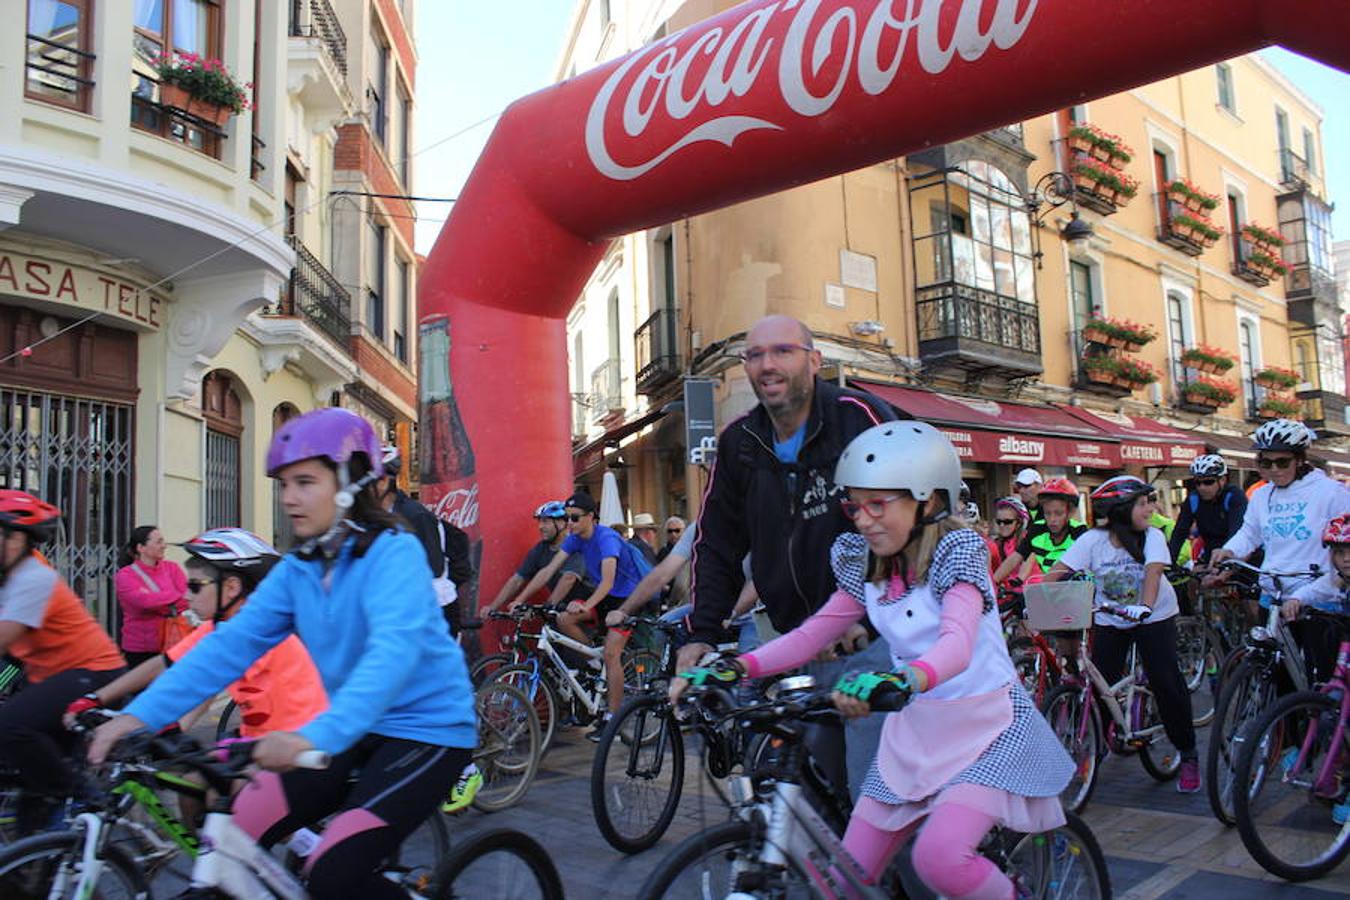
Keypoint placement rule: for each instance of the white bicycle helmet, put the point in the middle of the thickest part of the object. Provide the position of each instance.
(391, 460)
(909, 456)
(1282, 434)
(1211, 465)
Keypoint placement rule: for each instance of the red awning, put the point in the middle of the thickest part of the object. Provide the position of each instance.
(1144, 441)
(998, 431)
(589, 455)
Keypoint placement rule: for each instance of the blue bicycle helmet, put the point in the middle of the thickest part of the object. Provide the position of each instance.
(553, 509)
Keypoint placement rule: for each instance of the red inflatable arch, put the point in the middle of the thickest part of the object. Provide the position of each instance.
(768, 95)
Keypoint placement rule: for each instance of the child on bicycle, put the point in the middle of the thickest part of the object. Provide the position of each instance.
(1330, 593)
(1127, 557)
(357, 590)
(969, 751)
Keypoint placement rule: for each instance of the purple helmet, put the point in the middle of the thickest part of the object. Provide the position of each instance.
(331, 433)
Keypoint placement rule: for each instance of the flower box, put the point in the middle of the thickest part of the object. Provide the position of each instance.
(200, 87)
(1264, 236)
(178, 97)
(1136, 373)
(1277, 408)
(1181, 191)
(1275, 378)
(1208, 359)
(1093, 142)
(1120, 333)
(1209, 392)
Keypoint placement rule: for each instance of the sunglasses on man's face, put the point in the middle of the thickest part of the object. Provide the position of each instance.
(196, 584)
(576, 517)
(1275, 462)
(1206, 482)
(674, 530)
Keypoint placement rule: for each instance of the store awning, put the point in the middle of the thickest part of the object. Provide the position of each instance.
(1144, 441)
(1229, 446)
(999, 431)
(588, 455)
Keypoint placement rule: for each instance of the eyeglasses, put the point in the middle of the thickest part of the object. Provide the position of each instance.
(1274, 462)
(777, 352)
(1206, 482)
(196, 584)
(576, 517)
(875, 508)
(674, 530)
(1005, 521)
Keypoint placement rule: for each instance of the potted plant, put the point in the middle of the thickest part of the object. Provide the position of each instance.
(1209, 392)
(1092, 141)
(200, 87)
(1120, 333)
(1135, 373)
(1208, 359)
(1268, 263)
(1276, 378)
(1101, 369)
(1278, 408)
(1259, 235)
(1081, 138)
(1188, 195)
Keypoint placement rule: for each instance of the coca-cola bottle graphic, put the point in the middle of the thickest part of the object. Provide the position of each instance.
(449, 484)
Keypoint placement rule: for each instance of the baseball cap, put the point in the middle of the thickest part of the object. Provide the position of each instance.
(1028, 477)
(582, 501)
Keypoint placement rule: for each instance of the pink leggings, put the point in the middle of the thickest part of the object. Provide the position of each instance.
(946, 857)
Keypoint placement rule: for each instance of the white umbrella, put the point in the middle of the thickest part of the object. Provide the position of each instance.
(611, 510)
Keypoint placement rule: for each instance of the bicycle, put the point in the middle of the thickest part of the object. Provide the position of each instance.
(1292, 812)
(1198, 651)
(82, 860)
(1268, 665)
(637, 774)
(1033, 655)
(1074, 711)
(553, 684)
(779, 845)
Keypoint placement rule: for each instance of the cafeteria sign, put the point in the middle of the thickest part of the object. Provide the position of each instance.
(53, 281)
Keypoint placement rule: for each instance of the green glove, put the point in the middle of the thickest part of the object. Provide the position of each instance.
(722, 673)
(862, 684)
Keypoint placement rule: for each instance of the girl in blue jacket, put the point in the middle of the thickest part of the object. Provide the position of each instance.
(358, 592)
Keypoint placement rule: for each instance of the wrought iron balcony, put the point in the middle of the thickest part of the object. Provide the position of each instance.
(316, 19)
(150, 113)
(317, 296)
(1174, 229)
(1245, 268)
(656, 343)
(1295, 173)
(964, 327)
(606, 389)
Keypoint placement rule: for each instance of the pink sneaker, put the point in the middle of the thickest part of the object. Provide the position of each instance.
(1188, 781)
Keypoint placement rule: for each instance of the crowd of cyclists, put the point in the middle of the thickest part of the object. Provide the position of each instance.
(339, 645)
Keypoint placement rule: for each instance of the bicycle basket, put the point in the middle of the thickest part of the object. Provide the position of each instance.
(1059, 605)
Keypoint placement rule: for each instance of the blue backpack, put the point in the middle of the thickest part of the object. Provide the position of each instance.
(1194, 500)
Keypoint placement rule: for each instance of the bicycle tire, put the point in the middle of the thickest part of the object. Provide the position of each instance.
(500, 756)
(546, 706)
(727, 842)
(1257, 833)
(1064, 709)
(486, 666)
(614, 791)
(1159, 757)
(640, 669)
(1237, 707)
(1026, 659)
(227, 726)
(1045, 856)
(464, 872)
(62, 848)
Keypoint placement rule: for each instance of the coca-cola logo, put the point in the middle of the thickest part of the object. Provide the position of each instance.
(459, 507)
(720, 63)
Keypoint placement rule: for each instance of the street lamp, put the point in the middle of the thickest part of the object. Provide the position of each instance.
(1052, 191)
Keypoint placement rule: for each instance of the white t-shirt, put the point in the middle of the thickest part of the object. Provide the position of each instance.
(1120, 578)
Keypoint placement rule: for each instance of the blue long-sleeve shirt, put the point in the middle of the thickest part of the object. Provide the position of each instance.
(376, 636)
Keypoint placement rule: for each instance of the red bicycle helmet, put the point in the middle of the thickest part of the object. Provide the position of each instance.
(1060, 487)
(20, 511)
(1337, 531)
(1119, 491)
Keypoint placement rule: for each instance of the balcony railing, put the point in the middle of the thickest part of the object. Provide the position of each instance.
(58, 72)
(316, 19)
(606, 389)
(964, 327)
(658, 351)
(1243, 267)
(149, 114)
(256, 166)
(317, 296)
(1174, 233)
(1008, 134)
(1295, 173)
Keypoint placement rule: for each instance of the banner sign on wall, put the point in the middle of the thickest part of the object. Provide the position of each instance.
(700, 426)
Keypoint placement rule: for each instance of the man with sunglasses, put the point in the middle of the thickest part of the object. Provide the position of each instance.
(1286, 515)
(772, 495)
(1212, 512)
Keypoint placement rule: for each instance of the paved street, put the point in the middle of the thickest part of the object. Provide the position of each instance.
(1159, 844)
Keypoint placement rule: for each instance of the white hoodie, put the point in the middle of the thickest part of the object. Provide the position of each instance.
(1288, 522)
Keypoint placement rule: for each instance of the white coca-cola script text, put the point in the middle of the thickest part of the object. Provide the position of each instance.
(459, 507)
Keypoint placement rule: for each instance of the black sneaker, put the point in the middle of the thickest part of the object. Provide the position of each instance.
(594, 734)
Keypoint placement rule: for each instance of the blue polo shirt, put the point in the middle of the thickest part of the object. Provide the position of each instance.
(605, 543)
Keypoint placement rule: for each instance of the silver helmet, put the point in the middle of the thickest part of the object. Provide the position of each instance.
(1282, 434)
(907, 455)
(1211, 465)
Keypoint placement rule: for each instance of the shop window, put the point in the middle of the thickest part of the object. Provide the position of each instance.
(59, 66)
(224, 416)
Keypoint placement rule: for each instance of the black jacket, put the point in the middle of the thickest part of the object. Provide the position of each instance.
(785, 516)
(1216, 521)
(454, 561)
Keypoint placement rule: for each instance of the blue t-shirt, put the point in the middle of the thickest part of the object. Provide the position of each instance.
(787, 451)
(605, 543)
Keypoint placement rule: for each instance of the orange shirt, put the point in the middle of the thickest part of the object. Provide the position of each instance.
(62, 634)
(279, 692)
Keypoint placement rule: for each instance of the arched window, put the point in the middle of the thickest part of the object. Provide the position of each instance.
(224, 415)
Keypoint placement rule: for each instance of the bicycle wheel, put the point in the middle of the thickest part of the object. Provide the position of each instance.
(637, 774)
(498, 864)
(227, 726)
(641, 669)
(1198, 658)
(533, 683)
(721, 862)
(1030, 667)
(509, 745)
(486, 666)
(49, 866)
(1290, 766)
(1076, 725)
(1247, 692)
(1065, 862)
(1158, 755)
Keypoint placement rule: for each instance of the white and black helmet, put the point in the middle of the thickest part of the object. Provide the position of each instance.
(1211, 465)
(909, 456)
(1282, 434)
(391, 460)
(234, 551)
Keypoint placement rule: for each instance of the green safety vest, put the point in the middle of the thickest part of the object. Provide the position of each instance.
(1046, 552)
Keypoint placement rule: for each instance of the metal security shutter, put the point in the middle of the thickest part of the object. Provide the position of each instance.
(224, 428)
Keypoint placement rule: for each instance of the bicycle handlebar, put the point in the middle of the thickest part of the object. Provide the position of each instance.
(814, 706)
(1314, 570)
